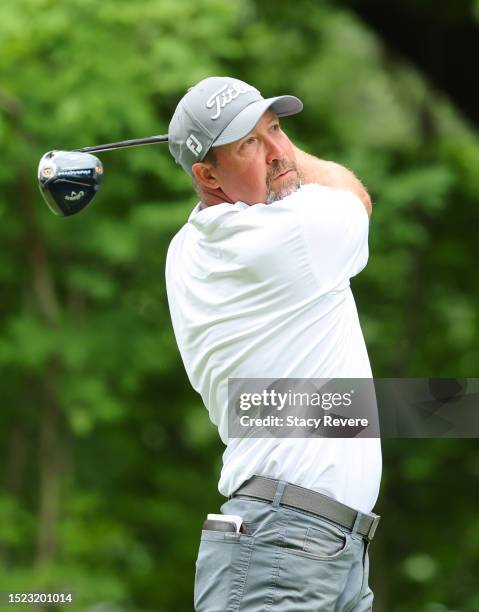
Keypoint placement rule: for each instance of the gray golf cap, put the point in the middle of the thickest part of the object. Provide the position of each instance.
(218, 111)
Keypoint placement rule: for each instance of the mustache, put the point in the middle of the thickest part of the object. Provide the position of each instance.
(279, 166)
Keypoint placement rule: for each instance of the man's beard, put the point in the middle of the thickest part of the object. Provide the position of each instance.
(288, 186)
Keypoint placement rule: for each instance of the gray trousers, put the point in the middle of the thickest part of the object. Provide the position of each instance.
(287, 561)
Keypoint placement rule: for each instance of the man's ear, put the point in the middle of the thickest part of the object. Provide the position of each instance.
(205, 175)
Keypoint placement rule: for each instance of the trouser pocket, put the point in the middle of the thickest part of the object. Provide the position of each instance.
(221, 570)
(323, 541)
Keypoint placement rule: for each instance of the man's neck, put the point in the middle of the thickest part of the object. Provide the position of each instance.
(209, 204)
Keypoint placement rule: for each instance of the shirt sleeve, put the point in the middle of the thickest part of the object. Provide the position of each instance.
(335, 226)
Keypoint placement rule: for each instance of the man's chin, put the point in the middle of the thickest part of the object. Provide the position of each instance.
(287, 189)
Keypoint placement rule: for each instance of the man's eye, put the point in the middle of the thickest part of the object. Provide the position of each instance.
(275, 127)
(250, 140)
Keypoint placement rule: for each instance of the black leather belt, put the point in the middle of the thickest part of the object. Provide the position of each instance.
(262, 488)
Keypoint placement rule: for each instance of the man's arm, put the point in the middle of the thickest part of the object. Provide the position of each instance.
(330, 174)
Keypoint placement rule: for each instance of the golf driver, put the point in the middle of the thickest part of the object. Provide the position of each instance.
(69, 180)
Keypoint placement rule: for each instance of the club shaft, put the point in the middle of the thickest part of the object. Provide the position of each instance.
(123, 144)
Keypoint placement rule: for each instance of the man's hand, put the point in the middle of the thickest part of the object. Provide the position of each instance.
(327, 173)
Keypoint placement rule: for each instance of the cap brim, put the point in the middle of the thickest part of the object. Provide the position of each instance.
(245, 121)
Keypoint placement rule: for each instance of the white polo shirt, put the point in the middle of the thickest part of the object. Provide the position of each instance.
(263, 291)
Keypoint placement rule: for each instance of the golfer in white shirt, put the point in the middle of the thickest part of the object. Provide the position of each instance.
(258, 287)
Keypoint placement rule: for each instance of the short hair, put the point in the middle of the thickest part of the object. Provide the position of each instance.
(211, 158)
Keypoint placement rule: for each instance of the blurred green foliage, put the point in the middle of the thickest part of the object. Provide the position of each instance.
(109, 462)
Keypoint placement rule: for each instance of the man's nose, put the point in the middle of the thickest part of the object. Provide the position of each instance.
(273, 150)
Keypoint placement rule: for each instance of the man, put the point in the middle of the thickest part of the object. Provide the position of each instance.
(258, 287)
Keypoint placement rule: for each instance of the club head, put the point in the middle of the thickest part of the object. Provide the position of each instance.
(69, 180)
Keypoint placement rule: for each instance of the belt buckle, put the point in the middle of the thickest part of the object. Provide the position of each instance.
(374, 526)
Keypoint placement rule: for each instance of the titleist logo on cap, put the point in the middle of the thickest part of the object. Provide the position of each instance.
(225, 95)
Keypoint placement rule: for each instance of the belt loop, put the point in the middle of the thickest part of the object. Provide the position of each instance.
(278, 494)
(356, 523)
